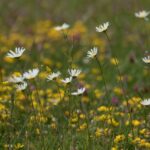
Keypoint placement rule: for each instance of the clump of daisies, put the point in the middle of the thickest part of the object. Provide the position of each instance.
(19, 82)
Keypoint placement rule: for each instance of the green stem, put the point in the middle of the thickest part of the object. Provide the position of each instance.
(101, 71)
(121, 82)
(106, 90)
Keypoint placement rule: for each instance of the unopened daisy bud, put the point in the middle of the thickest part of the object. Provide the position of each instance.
(92, 53)
(103, 27)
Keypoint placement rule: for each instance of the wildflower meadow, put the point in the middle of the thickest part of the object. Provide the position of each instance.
(75, 75)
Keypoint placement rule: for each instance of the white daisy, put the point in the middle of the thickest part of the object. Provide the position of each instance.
(146, 102)
(22, 86)
(67, 80)
(74, 72)
(31, 73)
(146, 59)
(62, 27)
(79, 91)
(92, 53)
(17, 53)
(16, 79)
(102, 27)
(142, 14)
(53, 75)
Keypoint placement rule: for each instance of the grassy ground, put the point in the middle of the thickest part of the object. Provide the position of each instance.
(46, 116)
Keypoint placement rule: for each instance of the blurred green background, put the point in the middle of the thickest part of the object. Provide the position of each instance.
(91, 12)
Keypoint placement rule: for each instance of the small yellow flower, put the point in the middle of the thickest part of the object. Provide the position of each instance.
(53, 125)
(83, 126)
(85, 99)
(127, 123)
(102, 108)
(113, 122)
(37, 131)
(100, 118)
(98, 132)
(114, 148)
(82, 116)
(67, 113)
(74, 119)
(117, 90)
(136, 140)
(135, 123)
(114, 61)
(98, 93)
(8, 60)
(143, 131)
(18, 146)
(119, 138)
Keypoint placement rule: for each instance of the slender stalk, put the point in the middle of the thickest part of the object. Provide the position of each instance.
(11, 119)
(41, 111)
(70, 60)
(116, 63)
(101, 71)
(83, 108)
(58, 90)
(121, 82)
(105, 86)
(37, 92)
(1, 75)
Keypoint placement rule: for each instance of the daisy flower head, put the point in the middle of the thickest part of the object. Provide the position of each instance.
(74, 72)
(16, 79)
(31, 73)
(17, 53)
(22, 86)
(146, 102)
(53, 76)
(67, 80)
(142, 14)
(79, 91)
(92, 53)
(64, 26)
(103, 27)
(146, 59)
